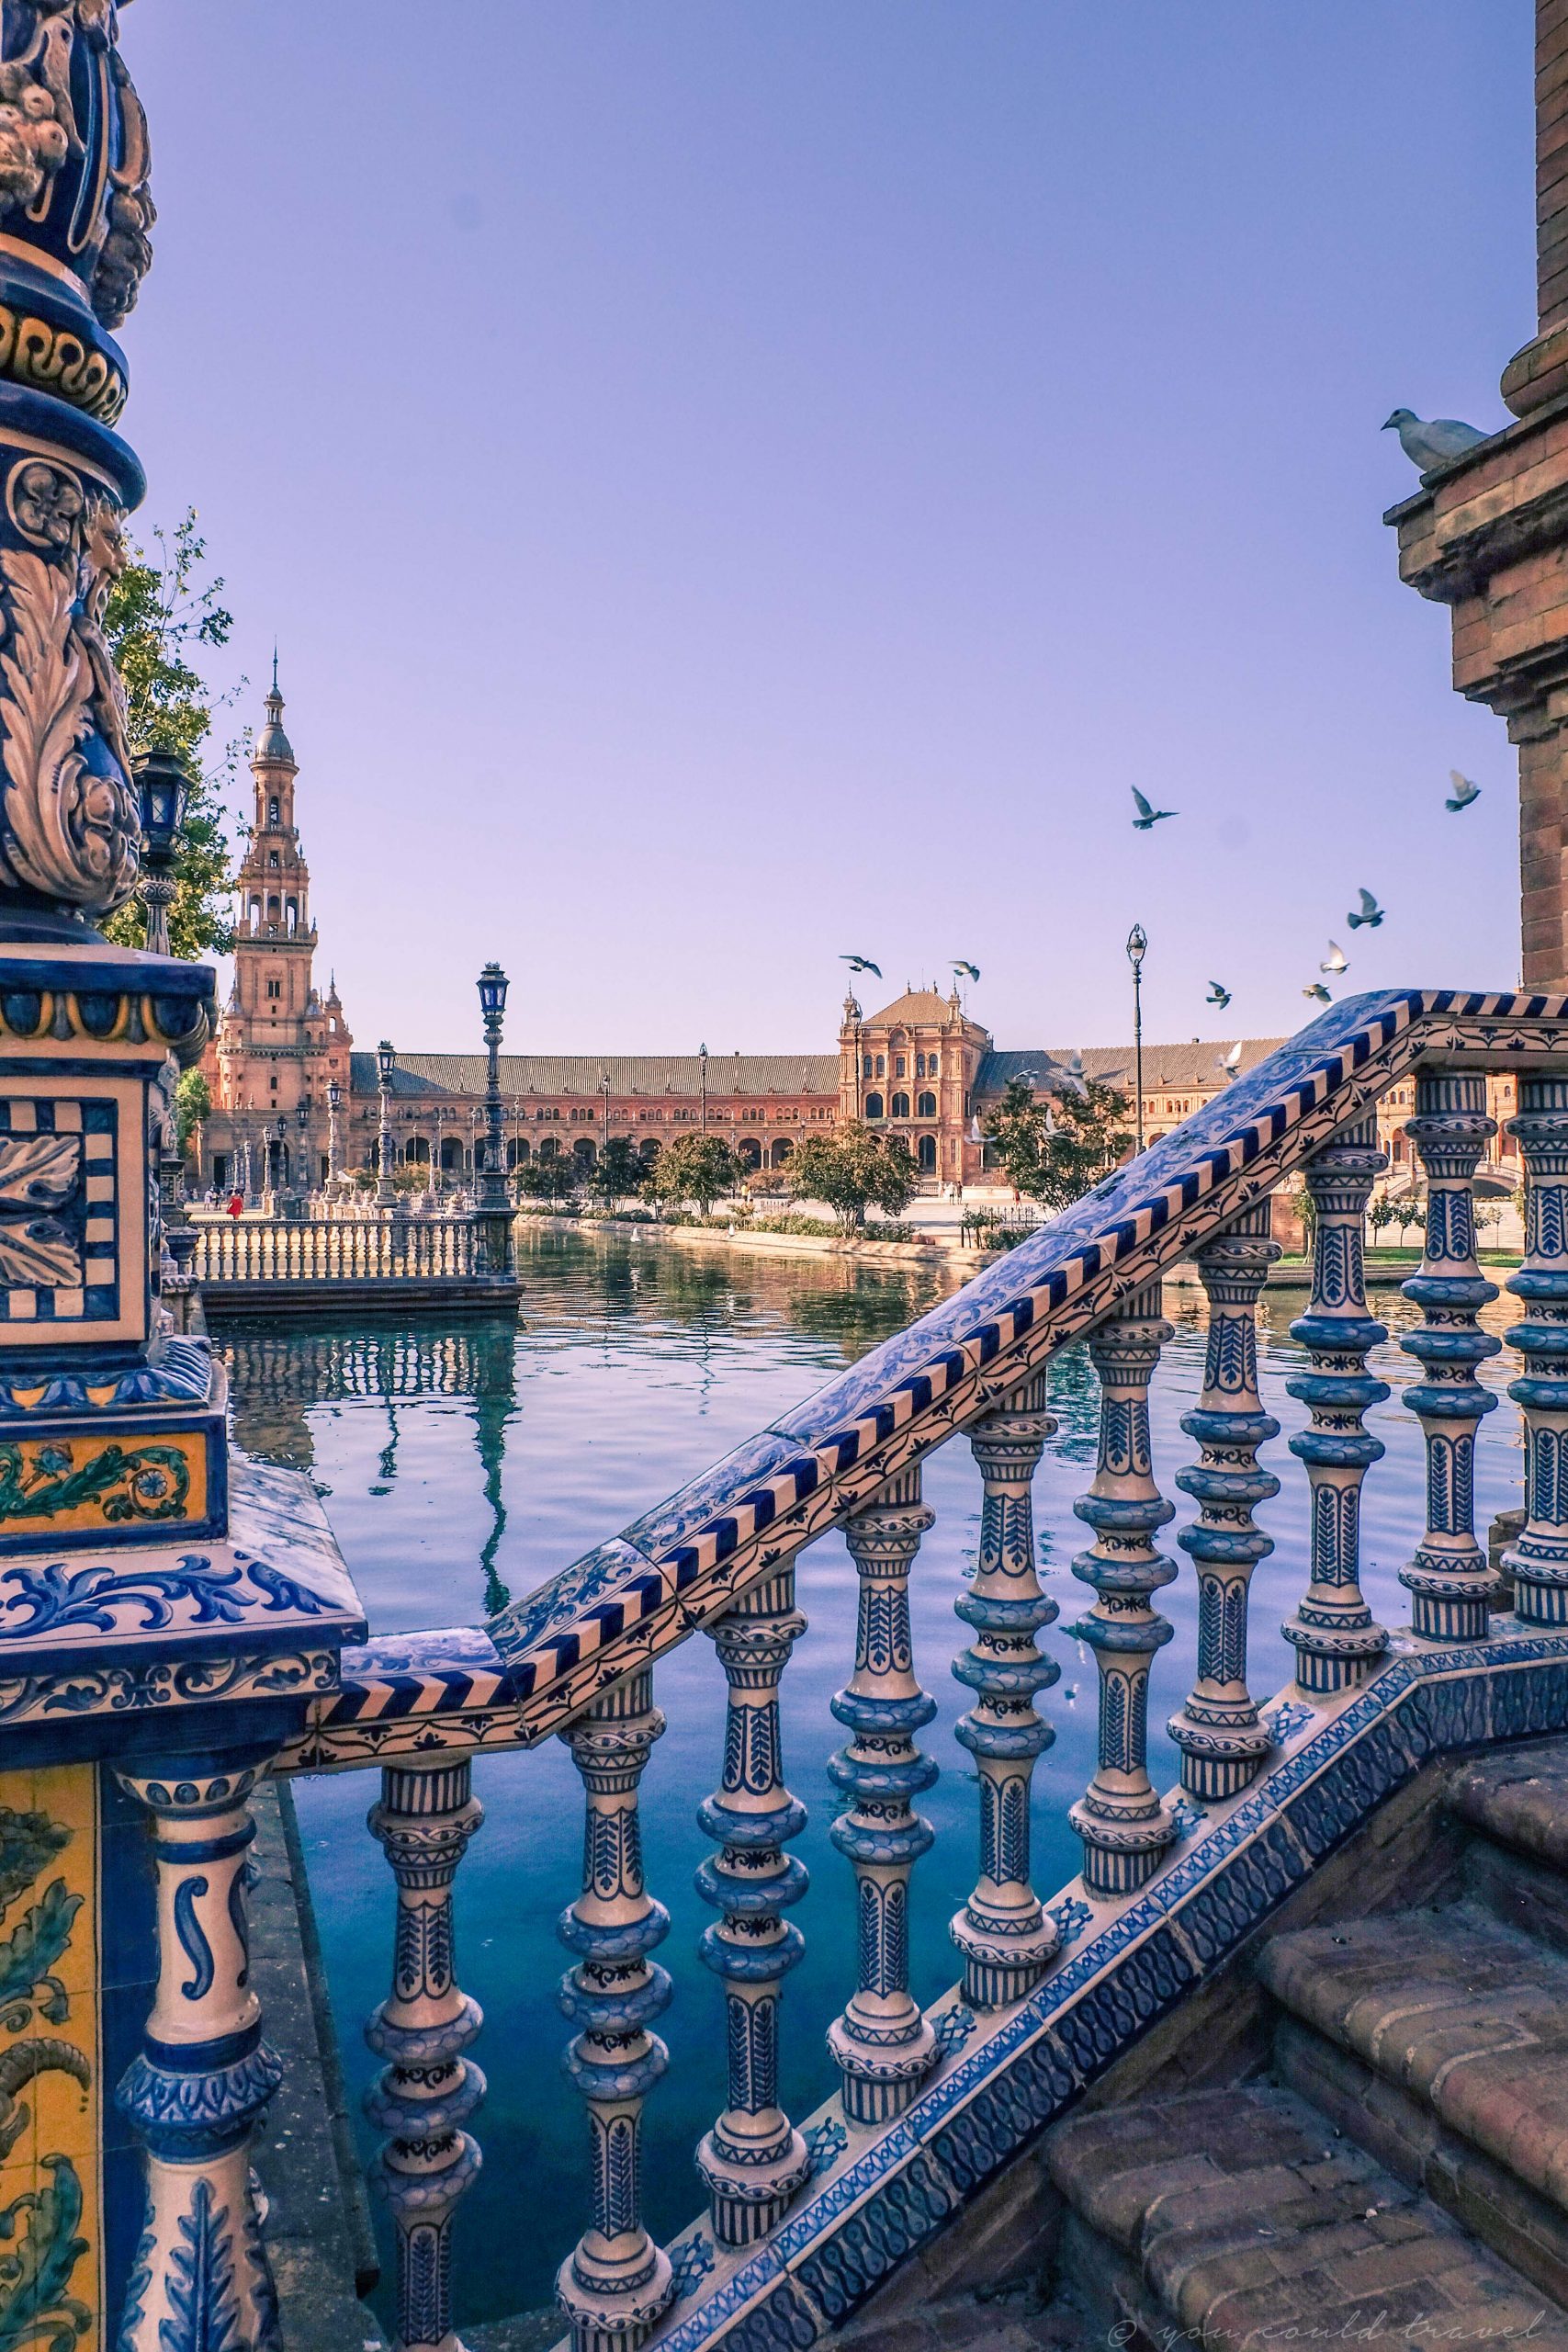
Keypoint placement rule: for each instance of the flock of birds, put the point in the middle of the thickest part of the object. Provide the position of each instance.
(1428, 443)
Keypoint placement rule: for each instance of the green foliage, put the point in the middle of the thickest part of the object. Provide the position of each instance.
(29, 1842)
(30, 1955)
(1056, 1147)
(701, 1168)
(546, 1180)
(193, 1103)
(618, 1173)
(161, 617)
(39, 2231)
(851, 1169)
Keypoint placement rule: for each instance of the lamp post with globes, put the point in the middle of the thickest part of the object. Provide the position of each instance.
(491, 1187)
(1137, 948)
(703, 1088)
(385, 1195)
(164, 787)
(335, 1161)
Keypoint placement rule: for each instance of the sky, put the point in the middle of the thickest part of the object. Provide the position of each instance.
(736, 484)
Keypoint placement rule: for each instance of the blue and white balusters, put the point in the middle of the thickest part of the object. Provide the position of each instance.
(615, 2283)
(1223, 1743)
(427, 2090)
(1332, 1632)
(1125, 1826)
(1538, 1561)
(881, 2045)
(1452, 1582)
(1004, 1935)
(753, 2160)
(204, 2074)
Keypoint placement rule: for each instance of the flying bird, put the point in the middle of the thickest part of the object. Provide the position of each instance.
(1318, 994)
(1372, 914)
(1335, 961)
(1230, 1063)
(1218, 995)
(861, 964)
(971, 971)
(1072, 1072)
(1463, 793)
(1148, 818)
(1436, 442)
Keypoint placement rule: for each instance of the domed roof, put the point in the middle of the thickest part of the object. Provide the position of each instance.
(272, 743)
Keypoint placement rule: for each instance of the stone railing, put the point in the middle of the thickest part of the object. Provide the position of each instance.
(336, 1250)
(805, 2216)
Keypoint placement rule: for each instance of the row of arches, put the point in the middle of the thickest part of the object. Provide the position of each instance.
(925, 1107)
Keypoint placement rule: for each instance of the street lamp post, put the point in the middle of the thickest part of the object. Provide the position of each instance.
(164, 787)
(491, 1189)
(386, 1196)
(305, 1180)
(604, 1091)
(1137, 948)
(703, 1081)
(335, 1168)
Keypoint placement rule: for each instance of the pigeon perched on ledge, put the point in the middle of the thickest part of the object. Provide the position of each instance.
(1436, 442)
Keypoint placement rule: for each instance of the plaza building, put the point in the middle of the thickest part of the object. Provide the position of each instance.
(920, 1068)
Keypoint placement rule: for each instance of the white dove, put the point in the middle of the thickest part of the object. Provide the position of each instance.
(1335, 961)
(1436, 442)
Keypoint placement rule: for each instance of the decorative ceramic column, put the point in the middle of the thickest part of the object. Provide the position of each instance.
(616, 2282)
(881, 2045)
(1223, 1743)
(204, 2074)
(1332, 1632)
(753, 2160)
(1125, 1826)
(427, 2089)
(1452, 1582)
(1537, 1562)
(1002, 1932)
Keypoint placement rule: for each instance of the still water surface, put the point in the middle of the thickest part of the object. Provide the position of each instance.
(460, 1467)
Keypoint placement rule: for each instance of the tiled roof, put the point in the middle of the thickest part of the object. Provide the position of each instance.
(656, 1074)
(1194, 1064)
(915, 1004)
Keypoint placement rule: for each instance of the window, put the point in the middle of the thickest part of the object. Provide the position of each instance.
(873, 1106)
(900, 1068)
(271, 815)
(900, 1106)
(926, 1106)
(881, 1066)
(271, 857)
(274, 987)
(928, 1155)
(866, 1070)
(920, 1064)
(933, 1065)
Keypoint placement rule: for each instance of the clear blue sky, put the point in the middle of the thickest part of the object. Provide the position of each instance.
(736, 481)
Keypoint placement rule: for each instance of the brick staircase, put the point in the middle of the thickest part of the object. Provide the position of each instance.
(1396, 2172)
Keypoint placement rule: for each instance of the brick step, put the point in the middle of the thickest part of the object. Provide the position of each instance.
(1519, 1797)
(1466, 2016)
(1243, 2217)
(1012, 2319)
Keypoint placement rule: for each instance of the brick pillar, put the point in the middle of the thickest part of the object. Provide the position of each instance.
(1539, 372)
(1543, 838)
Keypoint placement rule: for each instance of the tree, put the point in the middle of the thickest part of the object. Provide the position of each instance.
(851, 1169)
(193, 1103)
(161, 617)
(1056, 1147)
(546, 1180)
(698, 1168)
(617, 1174)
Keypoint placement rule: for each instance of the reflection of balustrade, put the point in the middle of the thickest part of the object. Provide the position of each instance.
(580, 1658)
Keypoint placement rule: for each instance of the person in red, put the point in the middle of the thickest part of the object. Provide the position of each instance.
(236, 1204)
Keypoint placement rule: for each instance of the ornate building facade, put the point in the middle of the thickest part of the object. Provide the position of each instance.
(922, 1067)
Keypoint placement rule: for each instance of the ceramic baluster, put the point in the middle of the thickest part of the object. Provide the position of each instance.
(753, 2160)
(1333, 1634)
(1002, 1932)
(1125, 1826)
(1451, 1580)
(427, 2090)
(204, 2074)
(1538, 1561)
(1223, 1743)
(881, 2045)
(615, 2283)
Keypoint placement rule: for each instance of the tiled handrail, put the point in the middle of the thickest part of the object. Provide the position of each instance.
(578, 1655)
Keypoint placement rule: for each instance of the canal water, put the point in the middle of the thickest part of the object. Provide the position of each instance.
(460, 1467)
